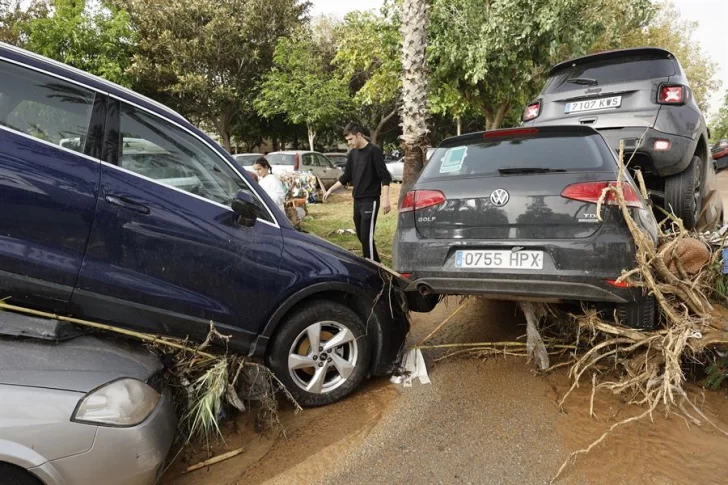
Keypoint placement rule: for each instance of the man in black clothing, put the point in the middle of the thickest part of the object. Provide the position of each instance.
(366, 171)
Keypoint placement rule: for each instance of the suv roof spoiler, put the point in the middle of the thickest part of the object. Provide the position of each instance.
(517, 132)
(615, 54)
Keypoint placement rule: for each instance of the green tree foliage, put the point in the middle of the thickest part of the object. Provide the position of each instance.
(368, 58)
(492, 56)
(670, 32)
(207, 57)
(14, 19)
(301, 85)
(719, 127)
(93, 37)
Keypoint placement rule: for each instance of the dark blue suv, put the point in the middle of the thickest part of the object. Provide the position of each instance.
(115, 208)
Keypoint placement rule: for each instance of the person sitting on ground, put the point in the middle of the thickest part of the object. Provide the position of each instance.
(270, 183)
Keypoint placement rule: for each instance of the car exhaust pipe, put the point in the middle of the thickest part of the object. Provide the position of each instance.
(424, 289)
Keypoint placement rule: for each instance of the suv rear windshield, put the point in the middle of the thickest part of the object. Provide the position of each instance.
(280, 159)
(557, 152)
(610, 71)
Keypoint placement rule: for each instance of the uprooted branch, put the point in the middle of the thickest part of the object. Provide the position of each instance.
(645, 366)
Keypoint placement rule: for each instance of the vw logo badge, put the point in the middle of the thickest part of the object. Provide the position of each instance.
(499, 197)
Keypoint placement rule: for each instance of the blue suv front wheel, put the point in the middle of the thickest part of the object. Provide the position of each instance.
(320, 353)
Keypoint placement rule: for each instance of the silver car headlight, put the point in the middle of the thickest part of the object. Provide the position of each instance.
(125, 402)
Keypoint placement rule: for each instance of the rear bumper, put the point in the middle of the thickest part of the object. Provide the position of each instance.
(546, 290)
(662, 163)
(573, 270)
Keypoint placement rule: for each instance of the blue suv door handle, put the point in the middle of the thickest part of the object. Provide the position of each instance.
(127, 204)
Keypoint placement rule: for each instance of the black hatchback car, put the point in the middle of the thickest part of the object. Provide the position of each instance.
(511, 214)
(642, 97)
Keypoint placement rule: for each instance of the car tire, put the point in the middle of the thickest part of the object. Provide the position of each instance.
(299, 367)
(684, 193)
(14, 475)
(640, 314)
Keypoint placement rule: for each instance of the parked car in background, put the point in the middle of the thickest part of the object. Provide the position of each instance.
(338, 159)
(396, 169)
(148, 223)
(305, 161)
(73, 412)
(247, 160)
(640, 97)
(428, 156)
(719, 152)
(511, 214)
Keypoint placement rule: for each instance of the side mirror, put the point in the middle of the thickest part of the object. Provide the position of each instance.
(244, 206)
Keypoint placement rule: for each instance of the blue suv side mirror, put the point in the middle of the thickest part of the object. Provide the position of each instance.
(246, 209)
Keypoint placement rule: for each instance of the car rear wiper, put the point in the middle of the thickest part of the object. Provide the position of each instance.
(522, 170)
(586, 81)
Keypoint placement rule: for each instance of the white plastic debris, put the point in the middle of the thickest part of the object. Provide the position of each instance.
(413, 367)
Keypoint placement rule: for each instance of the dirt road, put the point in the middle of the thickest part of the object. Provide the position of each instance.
(480, 421)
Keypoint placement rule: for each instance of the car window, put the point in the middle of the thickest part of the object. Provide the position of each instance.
(280, 159)
(310, 160)
(562, 152)
(611, 71)
(44, 107)
(323, 161)
(163, 152)
(247, 160)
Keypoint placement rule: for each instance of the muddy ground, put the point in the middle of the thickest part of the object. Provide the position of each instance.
(480, 421)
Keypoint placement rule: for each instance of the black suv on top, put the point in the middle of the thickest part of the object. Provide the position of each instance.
(640, 96)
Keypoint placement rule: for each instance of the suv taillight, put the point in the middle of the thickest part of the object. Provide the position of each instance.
(419, 199)
(532, 111)
(671, 94)
(592, 191)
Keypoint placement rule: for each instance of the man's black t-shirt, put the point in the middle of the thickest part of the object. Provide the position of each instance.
(366, 171)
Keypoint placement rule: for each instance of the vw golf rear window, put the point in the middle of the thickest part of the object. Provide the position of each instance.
(610, 71)
(555, 152)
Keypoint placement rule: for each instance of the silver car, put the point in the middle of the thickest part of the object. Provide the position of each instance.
(396, 169)
(305, 161)
(83, 411)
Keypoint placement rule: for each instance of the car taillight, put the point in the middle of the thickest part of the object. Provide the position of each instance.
(592, 191)
(671, 94)
(296, 162)
(618, 284)
(419, 199)
(532, 111)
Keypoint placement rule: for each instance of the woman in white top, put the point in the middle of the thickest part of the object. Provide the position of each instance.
(270, 183)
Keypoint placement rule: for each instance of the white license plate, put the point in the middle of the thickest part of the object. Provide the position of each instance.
(593, 104)
(499, 259)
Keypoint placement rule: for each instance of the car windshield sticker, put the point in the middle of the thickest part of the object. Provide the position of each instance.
(453, 159)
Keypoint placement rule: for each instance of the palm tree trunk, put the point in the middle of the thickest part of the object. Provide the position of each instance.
(415, 110)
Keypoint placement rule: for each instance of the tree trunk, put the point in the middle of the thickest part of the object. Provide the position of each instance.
(380, 126)
(415, 110)
(311, 136)
(223, 127)
(500, 115)
(494, 120)
(460, 125)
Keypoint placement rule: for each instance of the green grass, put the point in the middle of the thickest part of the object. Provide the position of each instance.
(324, 219)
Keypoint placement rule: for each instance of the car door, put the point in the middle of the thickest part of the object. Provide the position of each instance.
(48, 184)
(166, 252)
(329, 173)
(309, 163)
